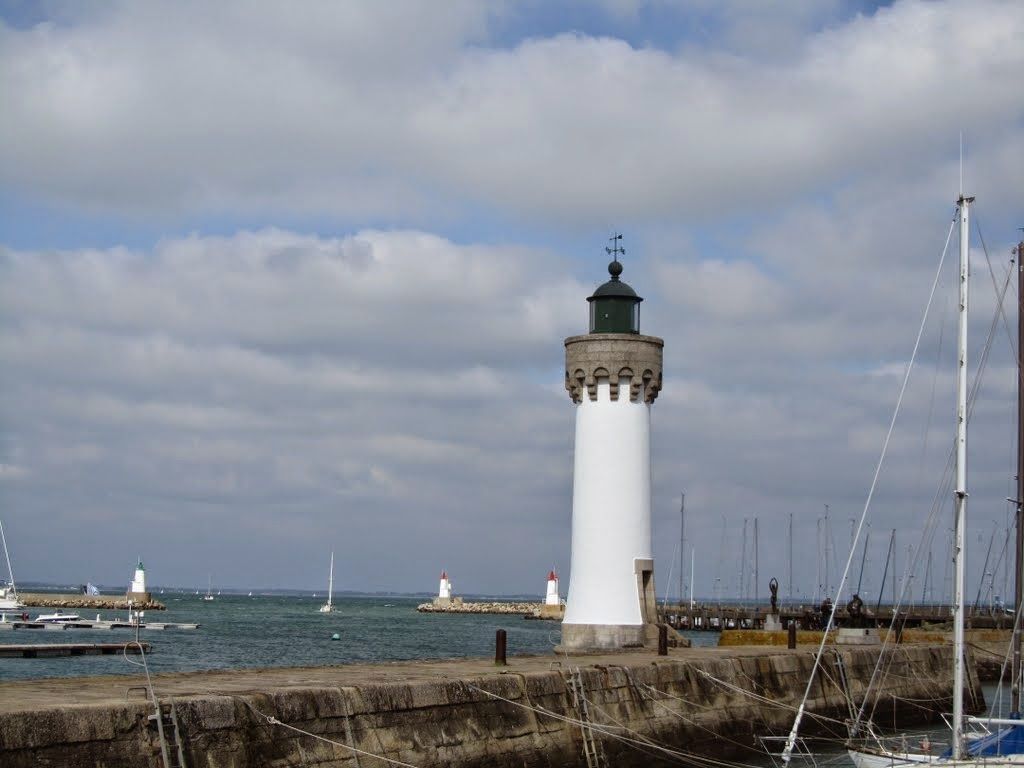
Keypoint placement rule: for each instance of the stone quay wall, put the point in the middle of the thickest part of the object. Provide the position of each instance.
(463, 714)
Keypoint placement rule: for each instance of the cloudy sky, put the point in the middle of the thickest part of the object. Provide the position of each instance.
(277, 279)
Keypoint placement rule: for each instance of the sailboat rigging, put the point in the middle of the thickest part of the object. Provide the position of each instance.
(1019, 501)
(8, 593)
(1004, 746)
(328, 607)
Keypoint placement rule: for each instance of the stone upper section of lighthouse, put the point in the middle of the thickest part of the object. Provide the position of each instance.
(614, 348)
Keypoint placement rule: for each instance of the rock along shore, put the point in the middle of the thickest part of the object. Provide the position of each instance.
(108, 602)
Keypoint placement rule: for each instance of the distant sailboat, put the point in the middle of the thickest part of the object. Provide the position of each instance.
(8, 593)
(209, 589)
(328, 607)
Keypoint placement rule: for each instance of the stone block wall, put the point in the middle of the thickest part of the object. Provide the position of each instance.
(700, 705)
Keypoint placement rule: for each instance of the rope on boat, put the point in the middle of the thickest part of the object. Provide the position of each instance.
(681, 756)
(615, 731)
(274, 721)
(999, 308)
(791, 739)
(603, 730)
(756, 696)
(640, 742)
(679, 715)
(942, 490)
(690, 721)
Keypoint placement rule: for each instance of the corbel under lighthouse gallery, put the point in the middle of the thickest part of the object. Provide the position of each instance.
(613, 375)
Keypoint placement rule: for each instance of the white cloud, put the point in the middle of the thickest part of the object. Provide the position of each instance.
(390, 370)
(152, 109)
(786, 200)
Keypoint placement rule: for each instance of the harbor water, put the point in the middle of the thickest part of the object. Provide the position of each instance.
(286, 631)
(238, 631)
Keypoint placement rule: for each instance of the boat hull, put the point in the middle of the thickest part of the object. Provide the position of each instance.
(882, 759)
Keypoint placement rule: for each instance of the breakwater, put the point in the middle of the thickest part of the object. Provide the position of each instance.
(512, 609)
(642, 709)
(84, 602)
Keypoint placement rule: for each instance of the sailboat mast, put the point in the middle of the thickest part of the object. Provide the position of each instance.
(691, 576)
(741, 593)
(330, 582)
(885, 571)
(828, 538)
(7, 556)
(790, 585)
(1019, 562)
(863, 560)
(757, 573)
(682, 545)
(960, 492)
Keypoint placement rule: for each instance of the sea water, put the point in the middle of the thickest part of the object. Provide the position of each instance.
(280, 631)
(286, 631)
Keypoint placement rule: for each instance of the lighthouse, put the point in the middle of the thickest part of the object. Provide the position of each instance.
(612, 375)
(551, 598)
(444, 597)
(137, 591)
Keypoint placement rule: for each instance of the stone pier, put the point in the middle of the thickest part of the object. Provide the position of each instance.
(461, 712)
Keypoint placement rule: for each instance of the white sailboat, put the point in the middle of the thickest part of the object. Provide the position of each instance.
(997, 742)
(209, 589)
(8, 592)
(328, 607)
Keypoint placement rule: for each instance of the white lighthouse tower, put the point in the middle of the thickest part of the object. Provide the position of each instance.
(137, 591)
(444, 597)
(551, 598)
(613, 375)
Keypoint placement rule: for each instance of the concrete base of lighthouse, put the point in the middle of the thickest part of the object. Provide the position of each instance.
(578, 637)
(604, 637)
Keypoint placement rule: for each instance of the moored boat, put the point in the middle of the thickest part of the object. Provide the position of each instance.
(59, 617)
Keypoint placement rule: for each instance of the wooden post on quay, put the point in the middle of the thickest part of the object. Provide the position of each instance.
(662, 640)
(499, 648)
(791, 641)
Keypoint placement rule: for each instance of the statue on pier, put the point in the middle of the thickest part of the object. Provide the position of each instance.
(772, 622)
(855, 612)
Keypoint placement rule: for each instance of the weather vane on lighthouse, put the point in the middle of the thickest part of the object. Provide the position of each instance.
(616, 248)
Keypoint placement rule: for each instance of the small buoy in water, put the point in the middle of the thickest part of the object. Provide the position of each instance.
(335, 636)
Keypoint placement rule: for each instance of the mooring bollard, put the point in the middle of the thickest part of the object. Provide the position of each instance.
(662, 640)
(499, 648)
(791, 644)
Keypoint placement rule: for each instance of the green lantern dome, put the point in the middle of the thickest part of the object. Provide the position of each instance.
(614, 307)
